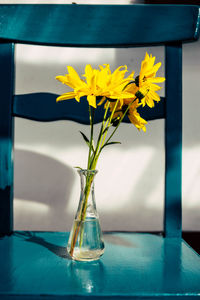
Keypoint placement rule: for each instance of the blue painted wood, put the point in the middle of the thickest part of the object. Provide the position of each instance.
(101, 25)
(6, 138)
(134, 266)
(173, 141)
(34, 107)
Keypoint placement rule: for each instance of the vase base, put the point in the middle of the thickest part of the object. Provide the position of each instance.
(86, 255)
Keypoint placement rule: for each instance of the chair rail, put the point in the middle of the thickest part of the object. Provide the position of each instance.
(34, 107)
(22, 23)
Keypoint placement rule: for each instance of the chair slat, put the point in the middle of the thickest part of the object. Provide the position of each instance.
(101, 25)
(6, 138)
(173, 141)
(34, 106)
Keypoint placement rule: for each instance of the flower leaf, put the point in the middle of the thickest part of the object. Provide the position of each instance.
(78, 168)
(106, 129)
(108, 144)
(86, 140)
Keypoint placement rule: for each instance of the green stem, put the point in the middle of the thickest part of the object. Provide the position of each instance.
(121, 119)
(89, 179)
(91, 117)
(92, 165)
(103, 126)
(109, 122)
(82, 214)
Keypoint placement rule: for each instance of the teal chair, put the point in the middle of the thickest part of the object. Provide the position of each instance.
(35, 265)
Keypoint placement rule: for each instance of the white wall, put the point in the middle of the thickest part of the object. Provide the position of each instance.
(129, 185)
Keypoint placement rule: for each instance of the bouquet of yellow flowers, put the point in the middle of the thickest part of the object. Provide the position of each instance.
(120, 96)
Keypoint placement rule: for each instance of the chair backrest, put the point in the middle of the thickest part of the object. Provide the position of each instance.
(94, 26)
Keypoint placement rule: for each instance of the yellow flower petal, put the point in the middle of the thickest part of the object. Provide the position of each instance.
(136, 119)
(92, 100)
(156, 79)
(102, 101)
(74, 78)
(65, 80)
(88, 74)
(66, 96)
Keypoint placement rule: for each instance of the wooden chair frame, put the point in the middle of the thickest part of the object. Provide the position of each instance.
(59, 25)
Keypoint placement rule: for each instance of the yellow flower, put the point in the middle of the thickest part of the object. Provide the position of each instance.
(132, 113)
(97, 83)
(81, 87)
(145, 81)
(135, 117)
(150, 95)
(115, 82)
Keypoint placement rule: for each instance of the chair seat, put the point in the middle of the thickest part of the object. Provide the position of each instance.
(134, 265)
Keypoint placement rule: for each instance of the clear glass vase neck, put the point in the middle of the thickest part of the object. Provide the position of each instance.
(87, 195)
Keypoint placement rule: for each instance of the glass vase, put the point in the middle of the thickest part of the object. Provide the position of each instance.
(85, 240)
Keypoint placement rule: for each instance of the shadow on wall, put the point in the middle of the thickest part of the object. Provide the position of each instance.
(41, 191)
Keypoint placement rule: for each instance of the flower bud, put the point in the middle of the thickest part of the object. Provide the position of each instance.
(115, 121)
